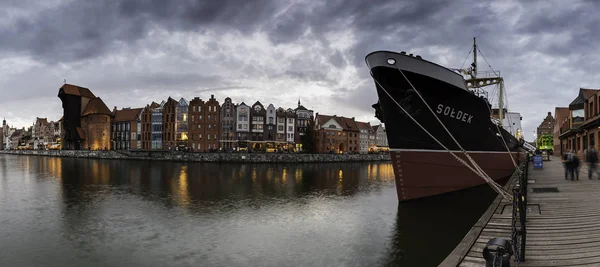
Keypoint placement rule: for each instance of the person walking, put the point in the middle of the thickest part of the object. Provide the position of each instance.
(575, 167)
(592, 159)
(567, 160)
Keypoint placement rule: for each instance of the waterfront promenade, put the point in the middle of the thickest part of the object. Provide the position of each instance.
(160, 155)
(563, 228)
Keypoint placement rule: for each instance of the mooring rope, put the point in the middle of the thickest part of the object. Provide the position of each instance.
(476, 169)
(503, 140)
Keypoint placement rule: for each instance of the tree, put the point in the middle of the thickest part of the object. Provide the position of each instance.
(308, 140)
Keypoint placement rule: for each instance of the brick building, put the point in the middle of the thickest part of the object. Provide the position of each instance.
(175, 124)
(334, 134)
(561, 115)
(126, 128)
(146, 125)
(86, 119)
(204, 124)
(547, 126)
(228, 124)
(581, 129)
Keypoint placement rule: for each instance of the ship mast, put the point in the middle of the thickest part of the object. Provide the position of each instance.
(474, 64)
(490, 79)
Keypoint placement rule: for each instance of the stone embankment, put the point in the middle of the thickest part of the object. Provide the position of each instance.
(204, 157)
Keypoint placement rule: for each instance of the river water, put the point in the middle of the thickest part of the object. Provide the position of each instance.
(88, 212)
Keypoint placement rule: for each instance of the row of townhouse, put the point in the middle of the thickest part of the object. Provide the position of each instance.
(577, 127)
(206, 125)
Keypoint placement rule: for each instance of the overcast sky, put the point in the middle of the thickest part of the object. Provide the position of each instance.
(133, 52)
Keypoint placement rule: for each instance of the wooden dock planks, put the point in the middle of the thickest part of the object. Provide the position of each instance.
(565, 232)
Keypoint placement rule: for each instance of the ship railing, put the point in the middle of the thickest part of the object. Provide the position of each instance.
(496, 121)
(519, 213)
(488, 74)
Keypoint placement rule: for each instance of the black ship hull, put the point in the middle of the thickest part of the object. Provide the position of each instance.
(423, 167)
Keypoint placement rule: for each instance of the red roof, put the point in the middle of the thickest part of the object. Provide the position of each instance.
(70, 89)
(347, 124)
(127, 114)
(96, 106)
(364, 125)
(588, 92)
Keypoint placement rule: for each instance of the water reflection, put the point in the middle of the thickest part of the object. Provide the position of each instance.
(139, 213)
(427, 230)
(190, 184)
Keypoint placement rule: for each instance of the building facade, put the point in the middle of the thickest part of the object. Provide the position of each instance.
(169, 113)
(335, 134)
(580, 131)
(304, 120)
(380, 136)
(146, 126)
(126, 132)
(270, 131)
(243, 125)
(86, 119)
(365, 134)
(196, 131)
(561, 115)
(290, 129)
(280, 137)
(204, 124)
(157, 127)
(41, 134)
(257, 126)
(228, 125)
(547, 126)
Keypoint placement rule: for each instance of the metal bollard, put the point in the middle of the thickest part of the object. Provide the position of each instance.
(497, 253)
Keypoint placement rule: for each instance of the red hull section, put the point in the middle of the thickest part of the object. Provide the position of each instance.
(422, 173)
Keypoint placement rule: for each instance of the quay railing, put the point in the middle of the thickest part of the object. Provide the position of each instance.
(519, 214)
(499, 251)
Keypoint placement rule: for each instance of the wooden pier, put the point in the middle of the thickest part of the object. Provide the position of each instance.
(563, 227)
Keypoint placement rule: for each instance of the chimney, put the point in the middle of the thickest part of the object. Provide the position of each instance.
(549, 113)
(212, 96)
(352, 118)
(115, 109)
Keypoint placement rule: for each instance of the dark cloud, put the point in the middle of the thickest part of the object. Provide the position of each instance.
(543, 48)
(85, 29)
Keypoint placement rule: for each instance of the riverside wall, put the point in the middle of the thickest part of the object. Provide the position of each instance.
(204, 157)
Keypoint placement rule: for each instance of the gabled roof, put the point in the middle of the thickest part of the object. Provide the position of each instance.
(376, 127)
(154, 105)
(127, 114)
(347, 124)
(258, 103)
(183, 102)
(582, 97)
(301, 107)
(96, 106)
(71, 89)
(364, 125)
